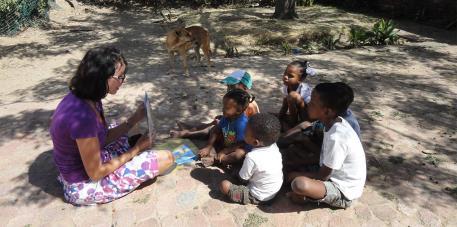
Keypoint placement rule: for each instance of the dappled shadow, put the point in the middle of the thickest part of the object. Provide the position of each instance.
(28, 124)
(39, 185)
(400, 108)
(211, 177)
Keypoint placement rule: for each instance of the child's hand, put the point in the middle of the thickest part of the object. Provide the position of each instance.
(220, 156)
(204, 152)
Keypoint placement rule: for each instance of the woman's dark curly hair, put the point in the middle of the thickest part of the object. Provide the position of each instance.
(91, 79)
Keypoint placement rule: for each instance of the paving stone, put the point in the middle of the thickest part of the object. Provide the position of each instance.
(373, 222)
(317, 217)
(221, 220)
(384, 212)
(406, 209)
(23, 220)
(343, 221)
(239, 214)
(428, 218)
(150, 222)
(286, 219)
(363, 212)
(6, 214)
(124, 217)
(212, 207)
(193, 218)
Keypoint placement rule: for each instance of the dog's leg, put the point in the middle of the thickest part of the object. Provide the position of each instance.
(197, 53)
(183, 54)
(171, 60)
(207, 51)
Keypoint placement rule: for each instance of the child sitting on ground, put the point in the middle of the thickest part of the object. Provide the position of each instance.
(342, 172)
(238, 79)
(226, 141)
(302, 145)
(262, 167)
(296, 93)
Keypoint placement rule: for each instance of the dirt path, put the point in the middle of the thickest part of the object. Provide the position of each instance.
(405, 101)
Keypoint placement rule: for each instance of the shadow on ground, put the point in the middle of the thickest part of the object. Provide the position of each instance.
(39, 185)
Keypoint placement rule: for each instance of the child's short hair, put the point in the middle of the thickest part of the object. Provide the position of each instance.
(265, 128)
(336, 96)
(241, 97)
(304, 67)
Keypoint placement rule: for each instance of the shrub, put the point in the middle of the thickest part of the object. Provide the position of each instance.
(286, 48)
(305, 2)
(268, 40)
(383, 33)
(16, 14)
(358, 36)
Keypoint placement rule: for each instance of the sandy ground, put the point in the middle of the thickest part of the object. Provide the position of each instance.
(405, 101)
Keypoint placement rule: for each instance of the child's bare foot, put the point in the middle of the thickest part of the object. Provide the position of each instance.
(178, 134)
(208, 161)
(296, 198)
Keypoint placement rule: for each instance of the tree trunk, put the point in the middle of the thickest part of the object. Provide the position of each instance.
(285, 9)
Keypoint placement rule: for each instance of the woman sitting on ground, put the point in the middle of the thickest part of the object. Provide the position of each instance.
(97, 164)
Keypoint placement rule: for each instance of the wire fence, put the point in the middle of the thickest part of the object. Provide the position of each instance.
(15, 15)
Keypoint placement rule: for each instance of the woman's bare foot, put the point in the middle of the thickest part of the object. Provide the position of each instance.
(178, 134)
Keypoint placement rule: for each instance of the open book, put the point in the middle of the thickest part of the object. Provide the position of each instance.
(151, 129)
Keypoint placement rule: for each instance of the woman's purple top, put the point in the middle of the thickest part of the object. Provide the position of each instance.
(74, 119)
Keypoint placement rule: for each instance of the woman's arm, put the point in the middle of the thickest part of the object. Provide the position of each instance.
(89, 149)
(125, 127)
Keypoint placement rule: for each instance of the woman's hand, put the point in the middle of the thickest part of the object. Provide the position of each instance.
(139, 114)
(144, 142)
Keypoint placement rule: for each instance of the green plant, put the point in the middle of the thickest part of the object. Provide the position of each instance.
(305, 2)
(254, 220)
(268, 40)
(230, 49)
(358, 36)
(330, 41)
(433, 160)
(286, 48)
(384, 33)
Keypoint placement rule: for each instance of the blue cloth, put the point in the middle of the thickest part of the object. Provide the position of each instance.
(352, 120)
(233, 130)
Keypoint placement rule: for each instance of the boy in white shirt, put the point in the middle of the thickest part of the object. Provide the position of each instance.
(342, 172)
(262, 166)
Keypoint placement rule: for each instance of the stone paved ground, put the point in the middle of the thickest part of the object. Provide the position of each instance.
(405, 100)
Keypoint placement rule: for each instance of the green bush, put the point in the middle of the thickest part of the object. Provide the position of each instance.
(383, 33)
(16, 14)
(286, 48)
(268, 40)
(305, 2)
(358, 36)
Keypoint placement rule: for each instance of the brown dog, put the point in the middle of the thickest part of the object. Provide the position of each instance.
(182, 39)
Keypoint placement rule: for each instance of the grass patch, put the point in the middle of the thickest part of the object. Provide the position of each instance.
(432, 160)
(254, 220)
(142, 200)
(396, 159)
(376, 114)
